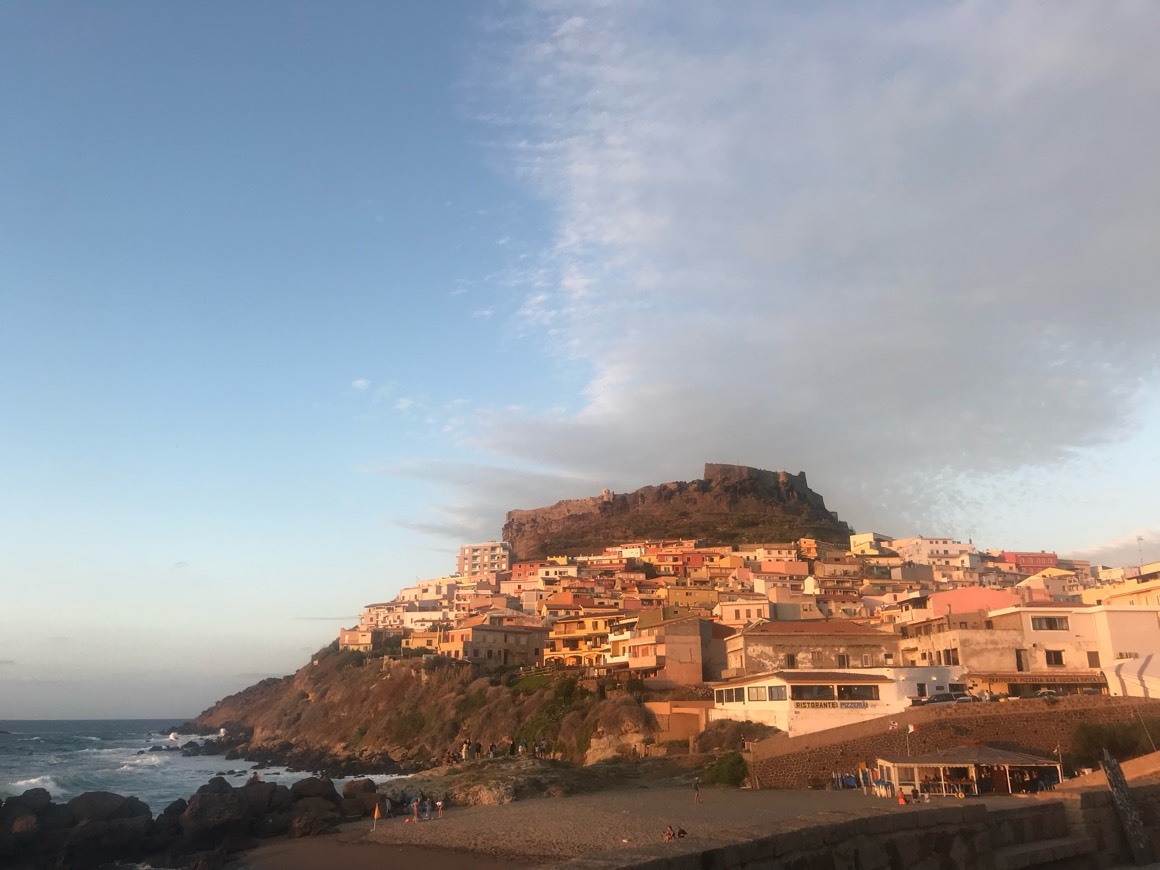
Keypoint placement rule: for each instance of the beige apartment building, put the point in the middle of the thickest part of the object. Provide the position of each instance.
(490, 557)
(834, 644)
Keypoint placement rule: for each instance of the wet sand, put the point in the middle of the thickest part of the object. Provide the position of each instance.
(546, 831)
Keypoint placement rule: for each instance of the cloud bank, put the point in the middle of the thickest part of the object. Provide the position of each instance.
(908, 249)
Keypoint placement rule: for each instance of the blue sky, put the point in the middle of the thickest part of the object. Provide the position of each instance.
(294, 299)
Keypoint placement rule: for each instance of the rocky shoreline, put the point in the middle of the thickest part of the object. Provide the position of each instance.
(235, 742)
(99, 827)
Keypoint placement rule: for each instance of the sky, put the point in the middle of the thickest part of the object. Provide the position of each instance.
(296, 298)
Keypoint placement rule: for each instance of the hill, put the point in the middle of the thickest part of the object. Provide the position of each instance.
(347, 713)
(731, 504)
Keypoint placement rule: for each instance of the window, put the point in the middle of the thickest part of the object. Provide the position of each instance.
(1093, 659)
(866, 659)
(1054, 657)
(952, 656)
(719, 696)
(776, 693)
(791, 660)
(757, 693)
(857, 693)
(1049, 623)
(812, 693)
(843, 660)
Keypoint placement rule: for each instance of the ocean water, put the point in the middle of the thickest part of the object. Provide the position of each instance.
(70, 757)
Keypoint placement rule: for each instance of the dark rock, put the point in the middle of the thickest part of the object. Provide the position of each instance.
(357, 787)
(315, 806)
(369, 801)
(311, 826)
(217, 785)
(272, 825)
(176, 808)
(56, 817)
(33, 801)
(96, 806)
(281, 799)
(257, 796)
(314, 786)
(233, 755)
(24, 829)
(352, 808)
(94, 843)
(213, 819)
(191, 748)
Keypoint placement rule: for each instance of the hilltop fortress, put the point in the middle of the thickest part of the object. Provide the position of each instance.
(730, 504)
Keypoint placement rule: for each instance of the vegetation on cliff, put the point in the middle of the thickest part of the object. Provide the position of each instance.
(345, 710)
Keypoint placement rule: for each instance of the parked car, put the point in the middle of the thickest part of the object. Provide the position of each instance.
(1046, 693)
(949, 698)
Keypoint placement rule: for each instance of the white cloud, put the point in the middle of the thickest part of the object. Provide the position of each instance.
(403, 403)
(360, 385)
(902, 252)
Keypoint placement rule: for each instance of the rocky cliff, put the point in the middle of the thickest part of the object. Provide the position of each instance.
(345, 713)
(731, 504)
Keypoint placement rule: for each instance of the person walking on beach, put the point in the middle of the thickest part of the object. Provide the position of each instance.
(415, 808)
(439, 809)
(696, 789)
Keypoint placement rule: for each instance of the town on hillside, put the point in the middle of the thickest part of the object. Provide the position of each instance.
(803, 635)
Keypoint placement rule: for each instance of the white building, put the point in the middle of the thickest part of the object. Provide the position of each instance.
(802, 702)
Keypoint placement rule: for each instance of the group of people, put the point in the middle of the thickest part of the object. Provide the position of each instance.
(422, 807)
(470, 750)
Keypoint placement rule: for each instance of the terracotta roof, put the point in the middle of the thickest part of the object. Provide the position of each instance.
(815, 626)
(808, 677)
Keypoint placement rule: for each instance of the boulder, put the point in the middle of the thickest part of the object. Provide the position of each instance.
(23, 829)
(176, 808)
(217, 785)
(352, 808)
(257, 796)
(370, 801)
(281, 799)
(57, 817)
(310, 826)
(314, 786)
(36, 800)
(99, 842)
(358, 786)
(272, 825)
(213, 819)
(97, 806)
(315, 806)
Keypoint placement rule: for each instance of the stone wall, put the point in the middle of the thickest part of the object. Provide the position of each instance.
(1036, 726)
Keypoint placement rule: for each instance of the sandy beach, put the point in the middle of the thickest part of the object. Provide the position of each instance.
(545, 831)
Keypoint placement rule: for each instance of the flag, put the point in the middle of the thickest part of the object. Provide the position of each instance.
(910, 729)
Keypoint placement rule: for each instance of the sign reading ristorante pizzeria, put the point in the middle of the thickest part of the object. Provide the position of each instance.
(832, 705)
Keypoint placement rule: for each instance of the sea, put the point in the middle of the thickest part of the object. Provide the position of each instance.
(70, 757)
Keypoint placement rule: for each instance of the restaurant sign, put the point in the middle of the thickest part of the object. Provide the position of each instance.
(832, 705)
(1055, 679)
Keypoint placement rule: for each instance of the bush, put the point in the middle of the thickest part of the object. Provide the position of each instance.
(729, 769)
(1123, 740)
